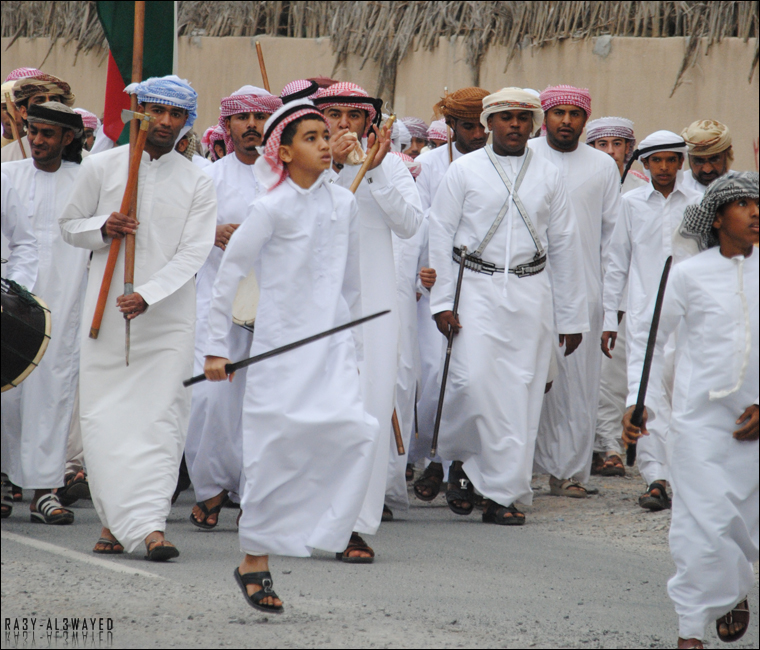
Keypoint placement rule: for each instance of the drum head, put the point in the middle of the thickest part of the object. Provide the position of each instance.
(25, 329)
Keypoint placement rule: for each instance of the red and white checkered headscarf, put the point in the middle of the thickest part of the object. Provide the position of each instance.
(437, 130)
(277, 123)
(298, 86)
(567, 95)
(211, 135)
(90, 120)
(248, 99)
(346, 89)
(19, 73)
(412, 165)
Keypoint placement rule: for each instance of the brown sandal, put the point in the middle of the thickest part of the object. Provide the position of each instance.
(613, 466)
(739, 614)
(356, 543)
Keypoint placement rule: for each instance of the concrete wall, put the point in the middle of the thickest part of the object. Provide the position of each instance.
(631, 77)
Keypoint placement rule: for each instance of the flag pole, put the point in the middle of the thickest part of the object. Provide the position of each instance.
(129, 239)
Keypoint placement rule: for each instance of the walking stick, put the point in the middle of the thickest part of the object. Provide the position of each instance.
(436, 428)
(397, 434)
(129, 239)
(233, 367)
(448, 130)
(263, 67)
(11, 108)
(128, 203)
(637, 418)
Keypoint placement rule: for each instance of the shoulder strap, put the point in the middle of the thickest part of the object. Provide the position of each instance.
(512, 195)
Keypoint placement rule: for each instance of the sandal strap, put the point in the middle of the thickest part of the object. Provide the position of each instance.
(262, 578)
(433, 472)
(356, 543)
(49, 503)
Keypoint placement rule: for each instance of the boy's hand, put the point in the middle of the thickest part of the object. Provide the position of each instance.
(223, 234)
(632, 433)
(750, 418)
(427, 277)
(214, 369)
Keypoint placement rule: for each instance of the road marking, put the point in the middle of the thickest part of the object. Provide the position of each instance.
(76, 555)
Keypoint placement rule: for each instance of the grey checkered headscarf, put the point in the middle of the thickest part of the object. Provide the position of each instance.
(698, 219)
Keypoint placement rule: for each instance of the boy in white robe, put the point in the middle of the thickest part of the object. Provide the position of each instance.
(213, 451)
(714, 529)
(134, 418)
(36, 415)
(641, 242)
(308, 443)
(566, 434)
(508, 305)
(388, 202)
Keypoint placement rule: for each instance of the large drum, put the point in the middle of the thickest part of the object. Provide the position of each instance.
(25, 333)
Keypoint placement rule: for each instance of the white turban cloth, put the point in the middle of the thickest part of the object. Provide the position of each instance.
(512, 99)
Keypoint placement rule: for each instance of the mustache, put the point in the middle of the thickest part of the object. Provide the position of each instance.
(252, 131)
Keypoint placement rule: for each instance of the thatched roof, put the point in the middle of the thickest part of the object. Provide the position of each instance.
(384, 31)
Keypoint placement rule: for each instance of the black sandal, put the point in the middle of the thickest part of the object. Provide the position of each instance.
(460, 489)
(208, 512)
(655, 502)
(75, 487)
(739, 614)
(409, 473)
(264, 579)
(431, 479)
(494, 514)
(356, 543)
(160, 550)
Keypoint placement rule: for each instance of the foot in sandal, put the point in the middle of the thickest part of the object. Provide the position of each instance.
(107, 544)
(428, 486)
(357, 551)
(205, 514)
(656, 497)
(460, 495)
(494, 513)
(567, 488)
(47, 509)
(158, 548)
(255, 580)
(732, 626)
(687, 644)
(613, 465)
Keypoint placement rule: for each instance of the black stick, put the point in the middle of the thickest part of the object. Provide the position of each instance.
(434, 447)
(637, 417)
(233, 367)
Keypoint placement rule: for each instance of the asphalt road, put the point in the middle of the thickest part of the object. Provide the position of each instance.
(580, 574)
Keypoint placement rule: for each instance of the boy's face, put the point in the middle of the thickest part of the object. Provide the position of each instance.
(310, 149)
(618, 148)
(663, 166)
(738, 222)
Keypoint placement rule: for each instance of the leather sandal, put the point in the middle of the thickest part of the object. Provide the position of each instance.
(161, 550)
(46, 505)
(208, 512)
(739, 614)
(264, 580)
(567, 488)
(431, 480)
(494, 514)
(356, 543)
(613, 466)
(460, 489)
(655, 502)
(113, 547)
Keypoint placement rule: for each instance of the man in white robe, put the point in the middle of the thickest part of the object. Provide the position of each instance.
(615, 137)
(36, 89)
(36, 415)
(710, 153)
(388, 203)
(566, 435)
(711, 308)
(641, 242)
(19, 245)
(213, 451)
(461, 110)
(508, 304)
(134, 418)
(308, 442)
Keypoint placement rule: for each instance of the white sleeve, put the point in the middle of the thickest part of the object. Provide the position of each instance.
(612, 210)
(444, 219)
(617, 268)
(18, 233)
(566, 262)
(351, 289)
(239, 258)
(80, 226)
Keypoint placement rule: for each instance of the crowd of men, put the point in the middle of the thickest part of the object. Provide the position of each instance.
(559, 246)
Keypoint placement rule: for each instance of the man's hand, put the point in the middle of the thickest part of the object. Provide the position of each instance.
(632, 433)
(132, 305)
(608, 342)
(214, 369)
(385, 144)
(223, 234)
(750, 418)
(341, 144)
(446, 321)
(427, 277)
(118, 225)
(572, 340)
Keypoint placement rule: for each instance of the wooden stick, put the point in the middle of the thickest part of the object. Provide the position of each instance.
(263, 67)
(11, 108)
(370, 157)
(126, 202)
(397, 434)
(448, 130)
